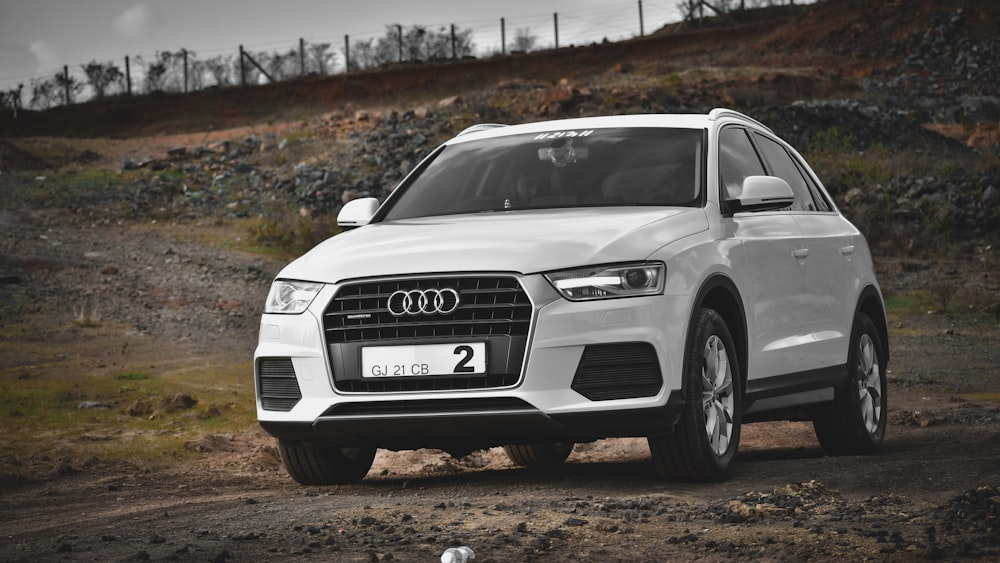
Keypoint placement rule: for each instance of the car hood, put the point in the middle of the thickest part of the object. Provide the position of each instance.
(523, 241)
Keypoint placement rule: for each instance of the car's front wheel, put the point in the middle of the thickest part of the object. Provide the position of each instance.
(310, 465)
(539, 454)
(854, 423)
(704, 442)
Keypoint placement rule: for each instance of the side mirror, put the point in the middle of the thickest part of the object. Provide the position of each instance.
(357, 213)
(764, 193)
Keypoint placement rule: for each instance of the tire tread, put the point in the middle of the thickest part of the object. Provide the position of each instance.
(683, 455)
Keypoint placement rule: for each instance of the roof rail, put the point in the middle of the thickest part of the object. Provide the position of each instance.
(717, 113)
(480, 127)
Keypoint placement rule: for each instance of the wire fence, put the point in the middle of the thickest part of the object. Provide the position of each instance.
(185, 70)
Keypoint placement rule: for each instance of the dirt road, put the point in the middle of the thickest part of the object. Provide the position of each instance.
(932, 493)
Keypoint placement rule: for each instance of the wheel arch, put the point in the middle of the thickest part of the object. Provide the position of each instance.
(720, 293)
(870, 303)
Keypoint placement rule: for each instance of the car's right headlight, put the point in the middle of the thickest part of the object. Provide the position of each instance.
(291, 297)
(605, 282)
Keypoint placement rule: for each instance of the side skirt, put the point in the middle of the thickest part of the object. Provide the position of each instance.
(787, 397)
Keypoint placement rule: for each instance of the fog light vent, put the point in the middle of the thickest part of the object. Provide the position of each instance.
(276, 384)
(618, 371)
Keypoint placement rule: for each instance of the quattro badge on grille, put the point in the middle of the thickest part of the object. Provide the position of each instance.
(423, 302)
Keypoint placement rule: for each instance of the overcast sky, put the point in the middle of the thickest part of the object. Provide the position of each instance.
(38, 37)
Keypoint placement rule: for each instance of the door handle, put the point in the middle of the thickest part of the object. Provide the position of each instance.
(801, 254)
(847, 250)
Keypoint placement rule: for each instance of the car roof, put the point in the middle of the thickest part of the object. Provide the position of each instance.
(680, 120)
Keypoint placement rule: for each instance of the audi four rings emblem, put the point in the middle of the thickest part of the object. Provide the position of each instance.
(423, 301)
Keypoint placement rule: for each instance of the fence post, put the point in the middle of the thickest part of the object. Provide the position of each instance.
(454, 46)
(555, 23)
(128, 77)
(347, 54)
(399, 30)
(66, 84)
(185, 51)
(243, 68)
(503, 36)
(302, 57)
(642, 29)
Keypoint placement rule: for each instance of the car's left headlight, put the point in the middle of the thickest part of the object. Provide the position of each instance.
(605, 282)
(291, 297)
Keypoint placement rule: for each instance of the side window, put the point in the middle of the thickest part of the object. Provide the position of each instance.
(822, 203)
(784, 167)
(737, 160)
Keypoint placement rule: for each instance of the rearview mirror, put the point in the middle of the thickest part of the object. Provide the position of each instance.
(357, 213)
(764, 193)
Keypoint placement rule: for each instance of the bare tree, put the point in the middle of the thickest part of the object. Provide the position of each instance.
(102, 77)
(153, 74)
(12, 98)
(422, 44)
(362, 54)
(523, 41)
(321, 59)
(281, 66)
(197, 72)
(416, 43)
(387, 48)
(166, 72)
(43, 93)
(67, 86)
(222, 69)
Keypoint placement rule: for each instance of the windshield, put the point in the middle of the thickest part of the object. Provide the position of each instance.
(583, 168)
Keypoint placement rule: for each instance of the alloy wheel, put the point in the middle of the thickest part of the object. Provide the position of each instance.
(717, 394)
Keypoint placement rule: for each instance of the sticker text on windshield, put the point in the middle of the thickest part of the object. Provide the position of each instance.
(563, 134)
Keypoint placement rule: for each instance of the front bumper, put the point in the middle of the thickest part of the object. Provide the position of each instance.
(475, 426)
(542, 405)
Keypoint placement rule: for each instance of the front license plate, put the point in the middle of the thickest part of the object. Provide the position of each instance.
(424, 359)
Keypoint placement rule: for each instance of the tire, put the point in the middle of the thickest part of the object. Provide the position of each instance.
(533, 455)
(854, 423)
(325, 466)
(704, 443)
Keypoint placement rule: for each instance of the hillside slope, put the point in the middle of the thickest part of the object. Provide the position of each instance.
(834, 48)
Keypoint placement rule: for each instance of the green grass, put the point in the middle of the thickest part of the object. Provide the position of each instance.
(908, 304)
(65, 188)
(962, 305)
(292, 235)
(983, 396)
(41, 415)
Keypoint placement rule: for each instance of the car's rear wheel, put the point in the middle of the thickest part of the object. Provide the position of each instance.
(310, 465)
(705, 441)
(854, 423)
(539, 454)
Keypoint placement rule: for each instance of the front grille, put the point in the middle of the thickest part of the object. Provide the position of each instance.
(490, 305)
(492, 309)
(276, 384)
(618, 371)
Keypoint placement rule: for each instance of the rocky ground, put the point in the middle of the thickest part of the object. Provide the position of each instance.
(185, 293)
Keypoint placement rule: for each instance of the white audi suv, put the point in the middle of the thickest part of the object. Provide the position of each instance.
(535, 286)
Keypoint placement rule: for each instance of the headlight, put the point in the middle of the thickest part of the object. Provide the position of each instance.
(604, 282)
(291, 297)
